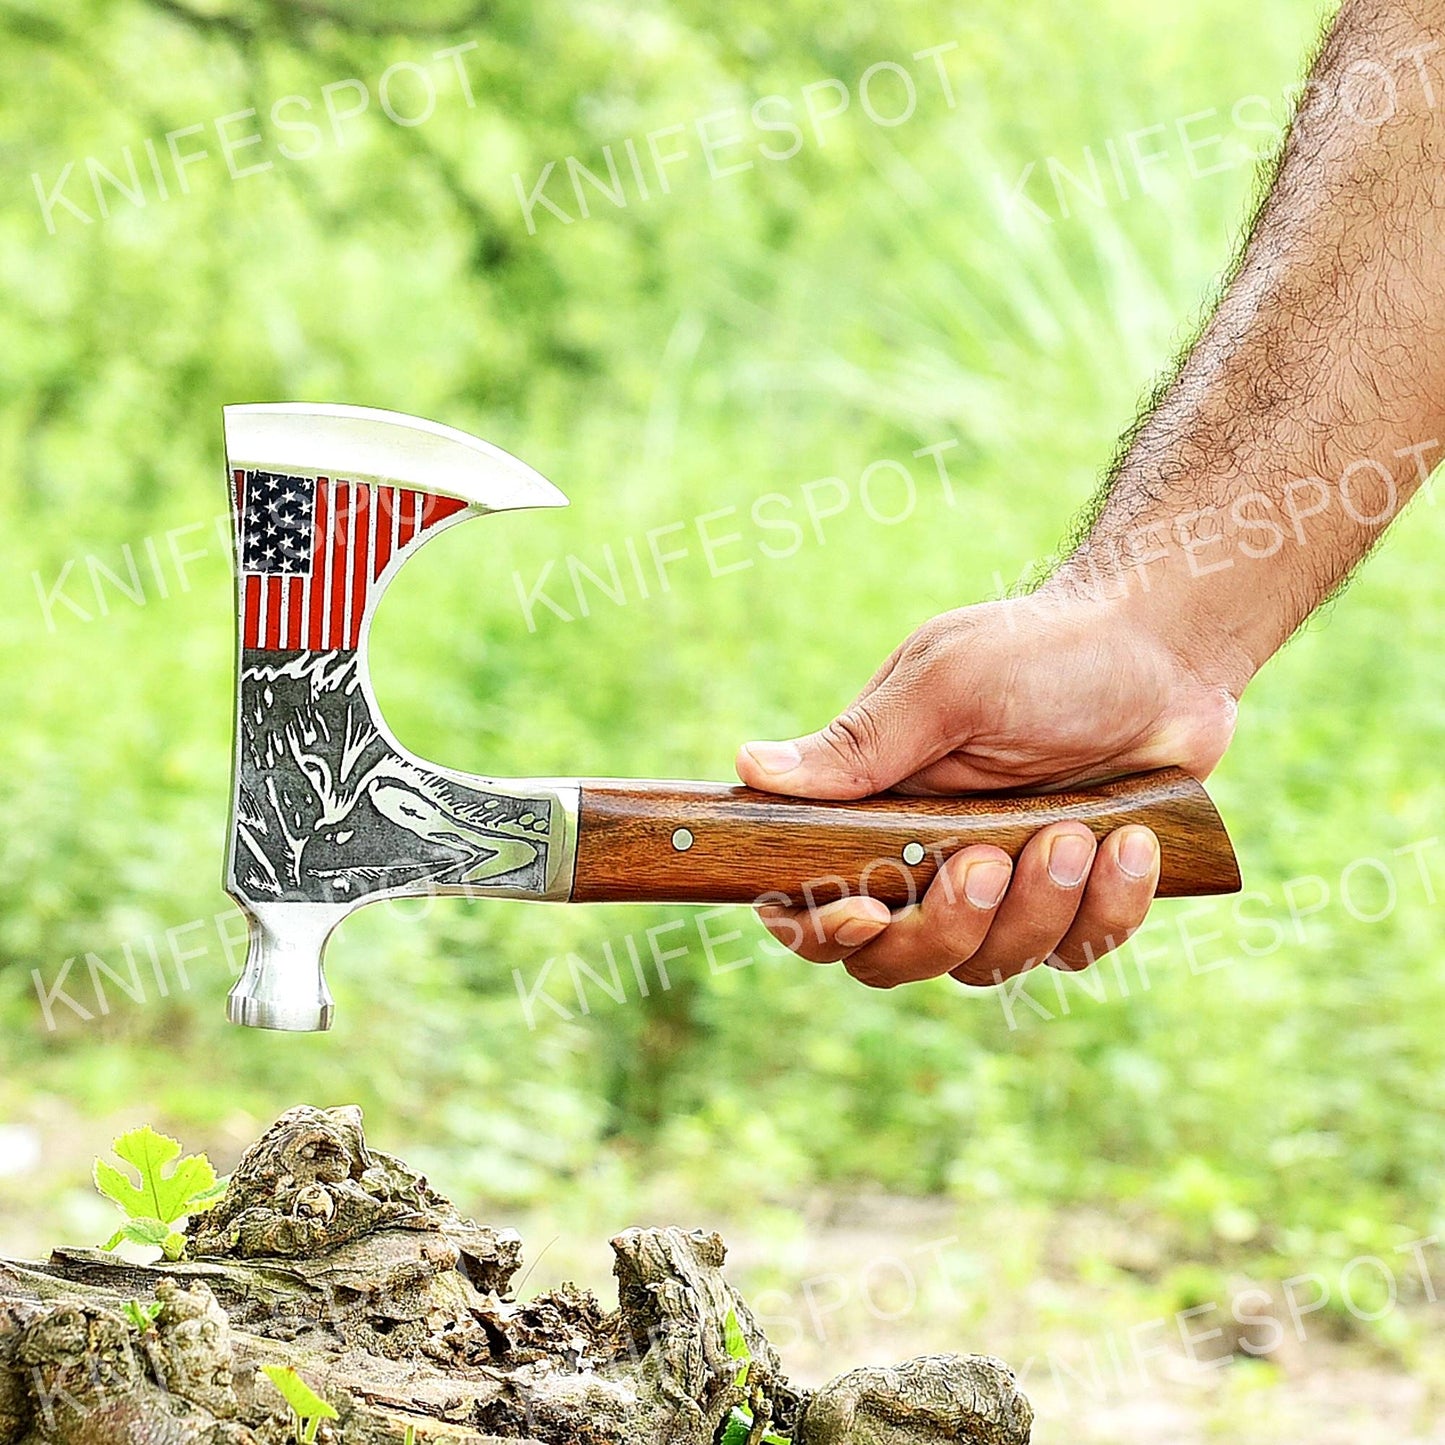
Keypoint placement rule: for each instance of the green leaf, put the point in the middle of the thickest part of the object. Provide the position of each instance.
(140, 1231)
(173, 1246)
(739, 1429)
(141, 1316)
(190, 1185)
(307, 1404)
(738, 1426)
(209, 1198)
(735, 1342)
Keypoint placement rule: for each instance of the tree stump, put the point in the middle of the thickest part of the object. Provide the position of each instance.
(342, 1262)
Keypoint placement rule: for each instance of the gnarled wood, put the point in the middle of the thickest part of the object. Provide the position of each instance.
(339, 1260)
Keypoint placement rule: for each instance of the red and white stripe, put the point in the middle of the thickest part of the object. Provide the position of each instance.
(359, 528)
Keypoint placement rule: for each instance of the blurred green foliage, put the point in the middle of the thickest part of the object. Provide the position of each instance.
(696, 350)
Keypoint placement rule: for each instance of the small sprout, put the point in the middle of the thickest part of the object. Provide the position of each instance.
(740, 1430)
(306, 1405)
(738, 1426)
(735, 1342)
(142, 1317)
(161, 1199)
(743, 1426)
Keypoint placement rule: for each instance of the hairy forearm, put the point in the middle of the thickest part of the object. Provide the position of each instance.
(1313, 405)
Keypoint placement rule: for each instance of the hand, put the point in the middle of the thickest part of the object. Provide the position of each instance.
(1038, 691)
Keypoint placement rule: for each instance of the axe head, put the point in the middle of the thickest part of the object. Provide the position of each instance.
(362, 444)
(329, 811)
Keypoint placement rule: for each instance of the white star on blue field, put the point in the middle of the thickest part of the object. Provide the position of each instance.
(279, 518)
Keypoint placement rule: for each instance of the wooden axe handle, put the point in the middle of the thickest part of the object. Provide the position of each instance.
(656, 842)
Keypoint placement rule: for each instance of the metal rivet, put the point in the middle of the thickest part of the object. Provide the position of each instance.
(682, 840)
(912, 853)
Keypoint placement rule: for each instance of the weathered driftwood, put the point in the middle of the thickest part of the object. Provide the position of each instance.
(330, 1256)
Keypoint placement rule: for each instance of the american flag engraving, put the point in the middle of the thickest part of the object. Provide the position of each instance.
(312, 549)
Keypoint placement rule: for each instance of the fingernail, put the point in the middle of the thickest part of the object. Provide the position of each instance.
(984, 883)
(1138, 853)
(857, 931)
(1069, 856)
(774, 757)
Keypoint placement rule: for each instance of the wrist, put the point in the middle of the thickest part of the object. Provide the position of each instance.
(1193, 632)
(1184, 680)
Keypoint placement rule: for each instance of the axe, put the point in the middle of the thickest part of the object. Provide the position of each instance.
(329, 811)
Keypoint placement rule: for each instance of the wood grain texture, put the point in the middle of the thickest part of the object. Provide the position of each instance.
(749, 846)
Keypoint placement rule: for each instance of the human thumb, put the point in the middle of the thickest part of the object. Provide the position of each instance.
(877, 742)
